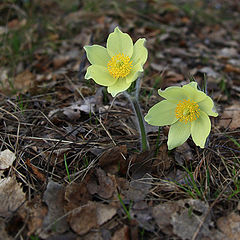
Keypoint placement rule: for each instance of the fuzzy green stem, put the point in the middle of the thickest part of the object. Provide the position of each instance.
(133, 98)
(139, 116)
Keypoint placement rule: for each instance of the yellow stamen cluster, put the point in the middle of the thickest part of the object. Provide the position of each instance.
(119, 66)
(187, 111)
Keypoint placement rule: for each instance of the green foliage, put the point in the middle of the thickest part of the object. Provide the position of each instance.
(127, 211)
(22, 106)
(197, 10)
(66, 166)
(93, 5)
(192, 188)
(33, 237)
(85, 161)
(236, 182)
(234, 141)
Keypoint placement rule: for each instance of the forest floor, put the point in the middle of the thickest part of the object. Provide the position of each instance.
(70, 160)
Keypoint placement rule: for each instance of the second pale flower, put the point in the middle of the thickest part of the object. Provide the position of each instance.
(187, 110)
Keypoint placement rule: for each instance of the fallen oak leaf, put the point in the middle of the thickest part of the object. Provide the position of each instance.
(76, 194)
(84, 218)
(103, 185)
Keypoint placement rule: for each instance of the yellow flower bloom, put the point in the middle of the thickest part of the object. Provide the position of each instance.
(186, 109)
(118, 65)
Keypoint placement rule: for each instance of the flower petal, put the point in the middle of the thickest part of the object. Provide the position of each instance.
(161, 114)
(192, 93)
(100, 75)
(178, 134)
(97, 55)
(200, 129)
(208, 107)
(119, 86)
(134, 73)
(173, 94)
(193, 84)
(119, 42)
(140, 52)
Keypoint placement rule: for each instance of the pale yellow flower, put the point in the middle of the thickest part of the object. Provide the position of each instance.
(187, 110)
(117, 65)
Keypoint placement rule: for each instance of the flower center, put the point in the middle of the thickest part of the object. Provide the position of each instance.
(187, 111)
(119, 66)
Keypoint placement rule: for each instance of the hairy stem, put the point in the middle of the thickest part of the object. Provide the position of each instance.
(133, 98)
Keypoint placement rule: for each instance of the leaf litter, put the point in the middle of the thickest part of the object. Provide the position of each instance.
(76, 172)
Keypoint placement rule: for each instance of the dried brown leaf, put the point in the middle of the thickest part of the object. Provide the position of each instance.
(166, 210)
(24, 80)
(7, 158)
(37, 212)
(4, 235)
(76, 194)
(36, 172)
(230, 225)
(92, 236)
(230, 68)
(11, 196)
(183, 154)
(186, 222)
(103, 185)
(121, 234)
(231, 116)
(163, 160)
(141, 178)
(112, 160)
(84, 218)
(89, 216)
(54, 222)
(104, 213)
(64, 236)
(183, 218)
(142, 213)
(139, 188)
